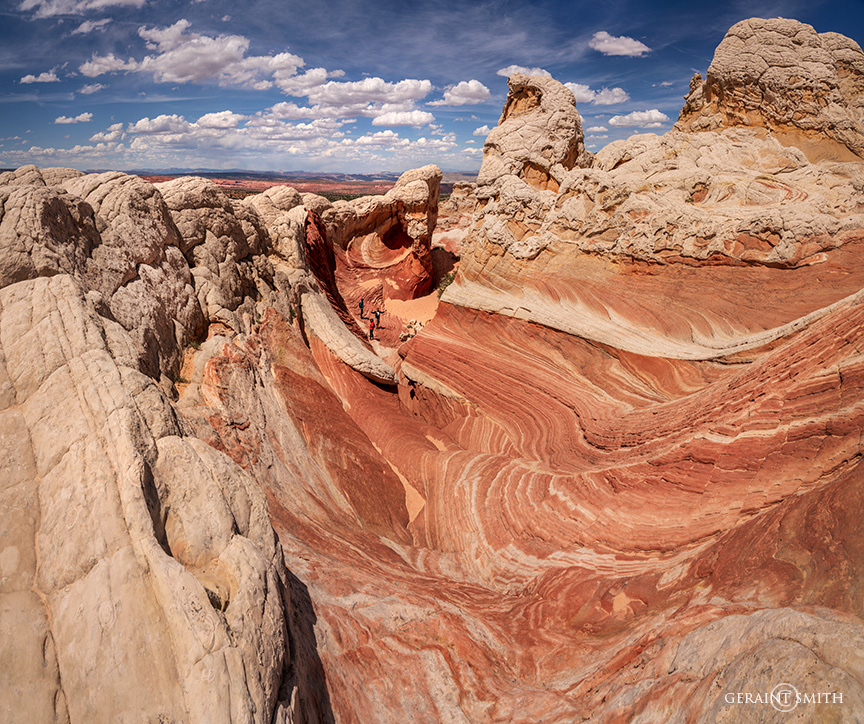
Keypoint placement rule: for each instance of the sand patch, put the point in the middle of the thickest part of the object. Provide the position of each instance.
(422, 309)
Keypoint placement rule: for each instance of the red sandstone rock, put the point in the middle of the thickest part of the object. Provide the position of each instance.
(383, 242)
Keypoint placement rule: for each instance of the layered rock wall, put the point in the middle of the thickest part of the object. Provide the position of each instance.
(686, 203)
(385, 241)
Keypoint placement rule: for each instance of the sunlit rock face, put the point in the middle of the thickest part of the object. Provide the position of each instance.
(140, 575)
(617, 477)
(807, 88)
(454, 218)
(661, 242)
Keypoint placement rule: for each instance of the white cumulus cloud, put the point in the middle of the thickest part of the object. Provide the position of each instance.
(291, 111)
(90, 88)
(222, 119)
(511, 69)
(49, 76)
(81, 118)
(181, 57)
(610, 96)
(581, 92)
(166, 38)
(160, 125)
(368, 90)
(381, 138)
(608, 44)
(596, 129)
(640, 119)
(403, 118)
(97, 65)
(371, 97)
(292, 84)
(111, 134)
(464, 93)
(604, 97)
(482, 131)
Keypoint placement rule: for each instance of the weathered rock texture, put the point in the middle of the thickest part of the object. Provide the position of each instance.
(140, 576)
(225, 246)
(659, 218)
(539, 136)
(617, 478)
(455, 218)
(783, 76)
(383, 243)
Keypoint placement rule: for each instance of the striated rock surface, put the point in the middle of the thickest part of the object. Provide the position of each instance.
(655, 224)
(616, 478)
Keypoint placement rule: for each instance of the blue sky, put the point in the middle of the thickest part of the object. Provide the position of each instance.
(341, 85)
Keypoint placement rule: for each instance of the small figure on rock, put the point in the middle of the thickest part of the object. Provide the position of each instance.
(377, 314)
(371, 329)
(362, 302)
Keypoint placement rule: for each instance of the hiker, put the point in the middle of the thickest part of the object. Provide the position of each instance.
(361, 308)
(377, 314)
(371, 328)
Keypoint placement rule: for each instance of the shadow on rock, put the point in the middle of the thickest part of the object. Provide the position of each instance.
(306, 672)
(443, 262)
